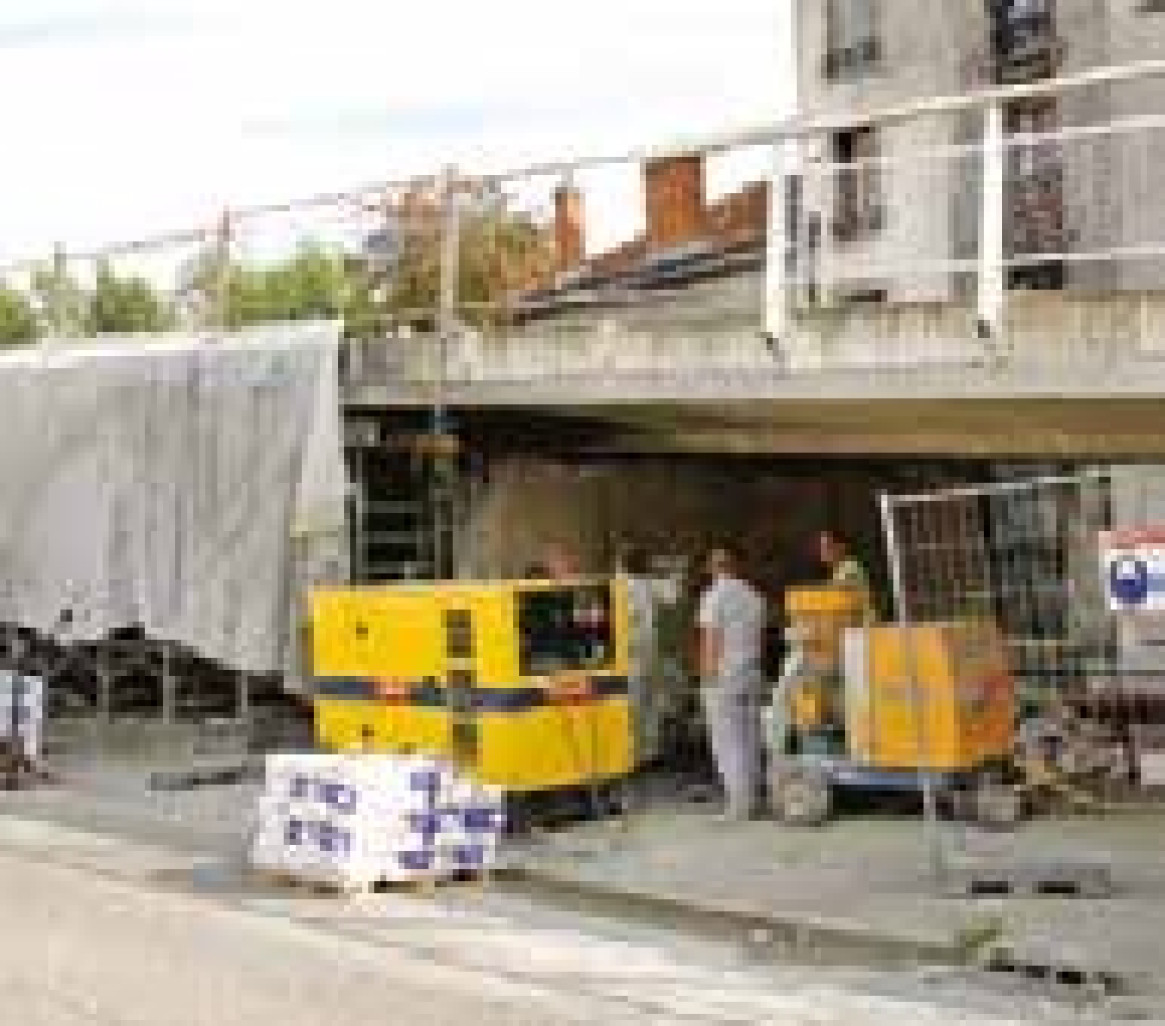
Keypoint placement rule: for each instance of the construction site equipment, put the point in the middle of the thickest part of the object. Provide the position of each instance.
(1044, 558)
(818, 618)
(937, 697)
(887, 708)
(524, 683)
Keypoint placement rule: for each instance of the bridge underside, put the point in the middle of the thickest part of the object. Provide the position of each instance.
(1052, 428)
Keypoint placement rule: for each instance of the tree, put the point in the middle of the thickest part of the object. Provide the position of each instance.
(59, 299)
(19, 324)
(500, 252)
(310, 285)
(125, 306)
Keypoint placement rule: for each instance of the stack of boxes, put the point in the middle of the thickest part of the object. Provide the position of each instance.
(356, 821)
(22, 711)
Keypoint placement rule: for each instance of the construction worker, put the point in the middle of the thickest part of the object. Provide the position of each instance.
(845, 570)
(634, 569)
(732, 623)
(561, 562)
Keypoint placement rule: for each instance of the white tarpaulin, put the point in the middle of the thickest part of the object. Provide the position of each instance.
(160, 482)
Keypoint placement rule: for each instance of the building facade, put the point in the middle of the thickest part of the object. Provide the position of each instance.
(890, 210)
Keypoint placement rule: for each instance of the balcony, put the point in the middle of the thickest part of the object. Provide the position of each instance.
(714, 348)
(766, 311)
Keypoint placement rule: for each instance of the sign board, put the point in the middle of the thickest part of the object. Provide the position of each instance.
(1132, 566)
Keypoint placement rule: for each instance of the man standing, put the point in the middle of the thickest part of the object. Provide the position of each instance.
(634, 570)
(845, 570)
(732, 622)
(561, 562)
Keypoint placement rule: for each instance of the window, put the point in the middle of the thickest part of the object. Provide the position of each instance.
(1022, 26)
(563, 630)
(858, 184)
(851, 31)
(1036, 221)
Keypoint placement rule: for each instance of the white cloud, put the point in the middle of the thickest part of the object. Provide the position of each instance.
(126, 117)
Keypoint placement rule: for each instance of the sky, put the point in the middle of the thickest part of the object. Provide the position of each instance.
(125, 118)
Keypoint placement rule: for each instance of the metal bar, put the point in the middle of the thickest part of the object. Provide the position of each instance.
(992, 279)
(790, 128)
(1017, 486)
(931, 828)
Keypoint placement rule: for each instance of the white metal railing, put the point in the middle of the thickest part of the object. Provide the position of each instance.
(971, 214)
(936, 229)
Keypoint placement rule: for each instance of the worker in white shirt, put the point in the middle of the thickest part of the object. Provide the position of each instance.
(635, 571)
(732, 624)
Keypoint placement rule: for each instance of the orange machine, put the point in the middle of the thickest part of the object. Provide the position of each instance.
(935, 696)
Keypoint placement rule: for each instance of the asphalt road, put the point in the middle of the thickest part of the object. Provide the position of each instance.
(85, 943)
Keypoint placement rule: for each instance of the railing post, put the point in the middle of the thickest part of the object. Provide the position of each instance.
(218, 307)
(60, 298)
(780, 233)
(992, 284)
(448, 330)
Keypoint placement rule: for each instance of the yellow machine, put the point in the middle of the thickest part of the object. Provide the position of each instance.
(935, 696)
(523, 682)
(886, 707)
(818, 618)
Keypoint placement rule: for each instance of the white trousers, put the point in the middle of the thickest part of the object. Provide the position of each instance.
(732, 714)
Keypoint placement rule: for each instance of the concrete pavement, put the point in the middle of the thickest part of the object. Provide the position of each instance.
(861, 886)
(100, 931)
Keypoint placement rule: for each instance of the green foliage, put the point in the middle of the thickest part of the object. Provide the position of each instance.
(61, 300)
(125, 306)
(500, 253)
(19, 324)
(309, 286)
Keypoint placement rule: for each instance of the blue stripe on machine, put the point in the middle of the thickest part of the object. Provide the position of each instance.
(482, 699)
(344, 687)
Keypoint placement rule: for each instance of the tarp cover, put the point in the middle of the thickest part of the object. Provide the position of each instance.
(170, 484)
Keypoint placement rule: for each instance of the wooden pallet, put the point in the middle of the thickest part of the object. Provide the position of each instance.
(350, 888)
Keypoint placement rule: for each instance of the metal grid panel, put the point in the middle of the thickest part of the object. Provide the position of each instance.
(1026, 555)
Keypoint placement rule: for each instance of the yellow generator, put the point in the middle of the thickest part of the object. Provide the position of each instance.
(525, 683)
(922, 705)
(817, 618)
(935, 696)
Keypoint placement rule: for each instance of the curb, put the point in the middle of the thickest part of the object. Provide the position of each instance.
(810, 938)
(792, 936)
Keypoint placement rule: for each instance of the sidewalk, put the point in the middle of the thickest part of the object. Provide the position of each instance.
(863, 884)
(854, 892)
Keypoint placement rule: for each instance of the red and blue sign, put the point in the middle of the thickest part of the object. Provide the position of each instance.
(1133, 570)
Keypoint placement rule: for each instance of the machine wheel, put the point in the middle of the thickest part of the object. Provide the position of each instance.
(802, 797)
(998, 806)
